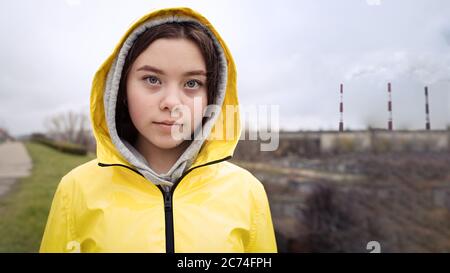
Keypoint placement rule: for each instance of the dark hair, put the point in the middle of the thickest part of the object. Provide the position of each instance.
(186, 30)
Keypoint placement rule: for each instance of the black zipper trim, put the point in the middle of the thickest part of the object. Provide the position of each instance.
(168, 202)
(120, 165)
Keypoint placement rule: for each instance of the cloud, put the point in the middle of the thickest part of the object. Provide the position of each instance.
(427, 68)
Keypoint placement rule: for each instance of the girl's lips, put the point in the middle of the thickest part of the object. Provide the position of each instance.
(166, 123)
(165, 127)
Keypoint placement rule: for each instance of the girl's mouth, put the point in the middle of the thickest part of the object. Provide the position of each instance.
(167, 122)
(166, 127)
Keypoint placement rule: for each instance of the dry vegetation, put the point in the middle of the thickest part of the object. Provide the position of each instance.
(338, 203)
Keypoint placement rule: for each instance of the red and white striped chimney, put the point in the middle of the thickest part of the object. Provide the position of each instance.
(390, 107)
(427, 110)
(341, 110)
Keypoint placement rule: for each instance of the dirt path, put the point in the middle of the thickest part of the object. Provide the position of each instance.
(14, 164)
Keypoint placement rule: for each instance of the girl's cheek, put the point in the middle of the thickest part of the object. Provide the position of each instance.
(137, 105)
(134, 113)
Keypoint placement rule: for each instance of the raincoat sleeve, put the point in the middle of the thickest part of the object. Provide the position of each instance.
(263, 236)
(57, 235)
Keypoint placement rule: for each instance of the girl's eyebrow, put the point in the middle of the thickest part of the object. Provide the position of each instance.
(159, 71)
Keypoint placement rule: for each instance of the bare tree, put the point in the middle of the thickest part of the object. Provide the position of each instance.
(69, 127)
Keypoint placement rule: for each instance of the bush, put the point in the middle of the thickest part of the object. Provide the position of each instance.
(61, 146)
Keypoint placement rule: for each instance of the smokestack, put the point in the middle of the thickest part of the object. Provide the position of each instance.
(341, 110)
(390, 107)
(427, 110)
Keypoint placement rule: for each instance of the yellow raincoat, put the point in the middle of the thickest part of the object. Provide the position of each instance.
(106, 205)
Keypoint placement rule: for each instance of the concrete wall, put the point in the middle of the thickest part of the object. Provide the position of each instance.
(381, 141)
(311, 144)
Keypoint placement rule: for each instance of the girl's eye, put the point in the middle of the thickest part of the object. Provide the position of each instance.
(152, 80)
(193, 84)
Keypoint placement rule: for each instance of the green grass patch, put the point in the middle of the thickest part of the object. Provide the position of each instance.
(24, 210)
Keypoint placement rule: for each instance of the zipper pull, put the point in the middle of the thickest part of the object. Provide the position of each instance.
(167, 200)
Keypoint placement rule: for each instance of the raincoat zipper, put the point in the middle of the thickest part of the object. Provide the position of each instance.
(168, 204)
(168, 213)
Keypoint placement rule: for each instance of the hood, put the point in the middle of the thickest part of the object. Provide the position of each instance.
(226, 129)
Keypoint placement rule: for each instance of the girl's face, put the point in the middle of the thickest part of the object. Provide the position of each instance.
(168, 74)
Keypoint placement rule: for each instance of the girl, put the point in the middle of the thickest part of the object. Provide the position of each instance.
(150, 190)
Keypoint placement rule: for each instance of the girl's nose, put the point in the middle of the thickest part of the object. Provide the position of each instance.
(170, 98)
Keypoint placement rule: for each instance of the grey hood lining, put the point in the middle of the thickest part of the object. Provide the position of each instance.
(127, 150)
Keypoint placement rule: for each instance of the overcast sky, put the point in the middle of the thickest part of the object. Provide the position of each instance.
(291, 53)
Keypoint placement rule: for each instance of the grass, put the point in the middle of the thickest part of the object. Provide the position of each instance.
(24, 210)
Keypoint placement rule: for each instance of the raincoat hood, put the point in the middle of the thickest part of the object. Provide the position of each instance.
(111, 149)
